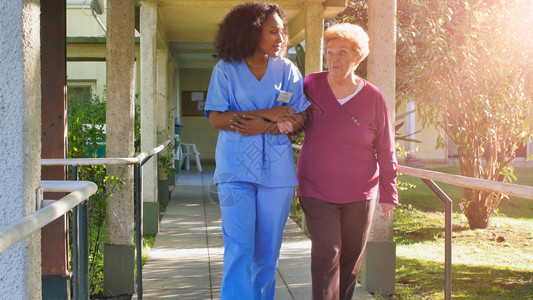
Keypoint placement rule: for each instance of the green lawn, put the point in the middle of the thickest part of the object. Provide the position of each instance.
(493, 263)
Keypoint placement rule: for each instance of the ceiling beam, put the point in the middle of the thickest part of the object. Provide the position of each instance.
(188, 63)
(191, 37)
(192, 48)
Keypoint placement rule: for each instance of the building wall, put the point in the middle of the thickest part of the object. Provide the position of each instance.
(87, 74)
(196, 129)
(81, 23)
(20, 143)
(427, 148)
(93, 73)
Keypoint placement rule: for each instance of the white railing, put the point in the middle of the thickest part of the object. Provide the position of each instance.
(141, 158)
(509, 189)
(79, 191)
(463, 181)
(138, 162)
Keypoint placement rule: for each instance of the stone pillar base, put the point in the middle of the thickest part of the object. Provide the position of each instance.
(150, 217)
(119, 270)
(56, 287)
(378, 268)
(162, 191)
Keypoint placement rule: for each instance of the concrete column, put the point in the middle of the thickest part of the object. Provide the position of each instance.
(171, 102)
(20, 142)
(177, 91)
(119, 250)
(162, 96)
(314, 31)
(378, 270)
(162, 135)
(148, 17)
(177, 100)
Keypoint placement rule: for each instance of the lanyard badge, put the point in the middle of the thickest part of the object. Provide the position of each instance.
(284, 97)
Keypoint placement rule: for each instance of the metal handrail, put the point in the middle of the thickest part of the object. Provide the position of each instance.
(510, 189)
(138, 162)
(37, 220)
(75, 201)
(466, 182)
(428, 177)
(139, 159)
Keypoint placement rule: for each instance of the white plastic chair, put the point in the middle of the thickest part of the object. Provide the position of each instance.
(186, 154)
(177, 152)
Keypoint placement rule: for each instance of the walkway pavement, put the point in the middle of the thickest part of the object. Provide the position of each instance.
(186, 259)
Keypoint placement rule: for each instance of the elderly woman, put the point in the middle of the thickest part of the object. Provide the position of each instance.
(348, 152)
(253, 96)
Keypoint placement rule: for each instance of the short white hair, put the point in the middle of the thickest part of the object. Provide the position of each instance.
(351, 33)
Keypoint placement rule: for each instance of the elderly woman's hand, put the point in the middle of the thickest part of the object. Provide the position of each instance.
(285, 127)
(387, 209)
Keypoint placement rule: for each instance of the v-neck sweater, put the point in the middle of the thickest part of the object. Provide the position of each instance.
(348, 152)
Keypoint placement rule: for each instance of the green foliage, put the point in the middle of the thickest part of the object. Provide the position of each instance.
(137, 128)
(297, 140)
(148, 241)
(166, 162)
(467, 64)
(86, 138)
(300, 58)
(86, 120)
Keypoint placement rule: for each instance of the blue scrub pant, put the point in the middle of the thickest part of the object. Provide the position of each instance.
(253, 218)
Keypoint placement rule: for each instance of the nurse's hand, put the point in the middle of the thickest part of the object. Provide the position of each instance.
(278, 113)
(250, 124)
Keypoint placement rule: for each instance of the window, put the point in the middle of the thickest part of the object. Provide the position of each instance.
(80, 91)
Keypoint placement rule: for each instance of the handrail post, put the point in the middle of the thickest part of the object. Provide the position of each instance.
(447, 237)
(83, 235)
(448, 250)
(139, 225)
(80, 247)
(75, 243)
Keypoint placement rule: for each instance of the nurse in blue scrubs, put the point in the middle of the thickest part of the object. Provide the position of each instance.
(255, 97)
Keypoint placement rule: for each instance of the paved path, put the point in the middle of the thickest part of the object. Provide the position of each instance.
(186, 259)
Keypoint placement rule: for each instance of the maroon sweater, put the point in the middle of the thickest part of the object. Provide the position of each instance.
(348, 149)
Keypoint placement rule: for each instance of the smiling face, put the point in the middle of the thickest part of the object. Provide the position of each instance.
(271, 40)
(341, 57)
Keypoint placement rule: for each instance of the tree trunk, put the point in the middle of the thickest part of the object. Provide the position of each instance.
(475, 210)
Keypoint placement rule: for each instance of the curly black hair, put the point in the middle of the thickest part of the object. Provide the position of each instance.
(239, 33)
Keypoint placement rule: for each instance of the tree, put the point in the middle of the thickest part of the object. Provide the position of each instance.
(468, 66)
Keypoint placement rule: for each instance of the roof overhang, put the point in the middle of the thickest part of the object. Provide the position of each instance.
(189, 26)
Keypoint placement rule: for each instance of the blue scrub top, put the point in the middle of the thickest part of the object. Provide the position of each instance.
(264, 159)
